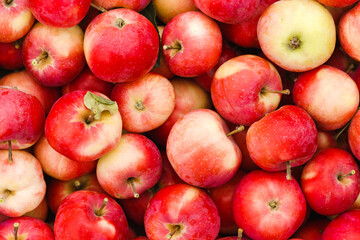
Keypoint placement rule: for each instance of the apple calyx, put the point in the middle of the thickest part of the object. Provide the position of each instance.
(240, 233)
(341, 177)
(7, 192)
(8, 3)
(97, 105)
(288, 171)
(265, 90)
(99, 212)
(16, 229)
(173, 230)
(175, 47)
(101, 9)
(139, 105)
(274, 205)
(120, 23)
(10, 152)
(131, 182)
(236, 130)
(294, 43)
(42, 58)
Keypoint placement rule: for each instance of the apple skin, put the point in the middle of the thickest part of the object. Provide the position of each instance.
(194, 57)
(231, 12)
(11, 55)
(185, 206)
(345, 226)
(337, 3)
(312, 50)
(144, 104)
(324, 169)
(40, 212)
(314, 88)
(129, 48)
(188, 96)
(135, 157)
(242, 80)
(313, 228)
(21, 125)
(25, 181)
(136, 5)
(59, 13)
(29, 229)
(54, 56)
(288, 126)
(252, 208)
(110, 225)
(58, 166)
(211, 157)
(58, 190)
(168, 9)
(25, 82)
(68, 132)
(16, 20)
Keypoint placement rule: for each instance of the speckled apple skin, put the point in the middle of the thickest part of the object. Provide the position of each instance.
(345, 226)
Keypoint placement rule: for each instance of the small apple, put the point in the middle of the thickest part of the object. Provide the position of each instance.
(11, 55)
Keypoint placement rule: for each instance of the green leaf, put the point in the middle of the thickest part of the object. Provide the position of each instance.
(98, 104)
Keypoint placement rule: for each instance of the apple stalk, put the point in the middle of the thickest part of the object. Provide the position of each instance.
(341, 177)
(288, 170)
(100, 211)
(16, 229)
(131, 182)
(10, 152)
(99, 8)
(171, 234)
(236, 130)
(240, 233)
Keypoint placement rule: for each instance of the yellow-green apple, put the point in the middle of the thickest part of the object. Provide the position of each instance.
(11, 55)
(168, 9)
(188, 96)
(271, 140)
(23, 81)
(344, 226)
(181, 211)
(348, 34)
(244, 33)
(183, 44)
(16, 20)
(90, 215)
(83, 126)
(337, 3)
(205, 80)
(336, 171)
(128, 43)
(131, 168)
(297, 43)
(200, 151)
(317, 91)
(86, 80)
(58, 166)
(231, 12)
(25, 228)
(313, 228)
(136, 5)
(54, 56)
(58, 190)
(267, 206)
(22, 184)
(245, 88)
(144, 104)
(22, 119)
(60, 14)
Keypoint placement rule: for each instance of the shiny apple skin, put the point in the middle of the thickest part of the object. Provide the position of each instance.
(354, 135)
(137, 5)
(345, 226)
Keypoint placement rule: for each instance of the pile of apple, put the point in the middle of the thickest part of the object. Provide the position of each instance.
(179, 120)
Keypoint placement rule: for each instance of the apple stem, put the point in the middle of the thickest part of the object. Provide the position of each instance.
(350, 68)
(341, 177)
(100, 211)
(6, 195)
(10, 152)
(77, 184)
(240, 233)
(130, 181)
(294, 43)
(171, 234)
(17, 44)
(166, 47)
(8, 2)
(101, 9)
(16, 229)
(44, 55)
(342, 130)
(288, 170)
(120, 23)
(90, 118)
(236, 130)
(285, 91)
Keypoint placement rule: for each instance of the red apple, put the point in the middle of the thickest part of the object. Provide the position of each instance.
(40, 212)
(181, 211)
(136, 5)
(90, 215)
(354, 135)
(268, 206)
(337, 3)
(313, 228)
(11, 55)
(345, 226)
(129, 45)
(83, 126)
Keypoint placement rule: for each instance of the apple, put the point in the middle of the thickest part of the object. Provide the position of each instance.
(252, 87)
(23, 228)
(315, 89)
(136, 5)
(168, 9)
(345, 226)
(297, 43)
(337, 3)
(268, 206)
(90, 15)
(16, 20)
(336, 171)
(11, 55)
(129, 45)
(98, 216)
(200, 151)
(341, 60)
(83, 126)
(22, 119)
(144, 104)
(22, 184)
(183, 44)
(181, 211)
(54, 56)
(313, 228)
(40, 212)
